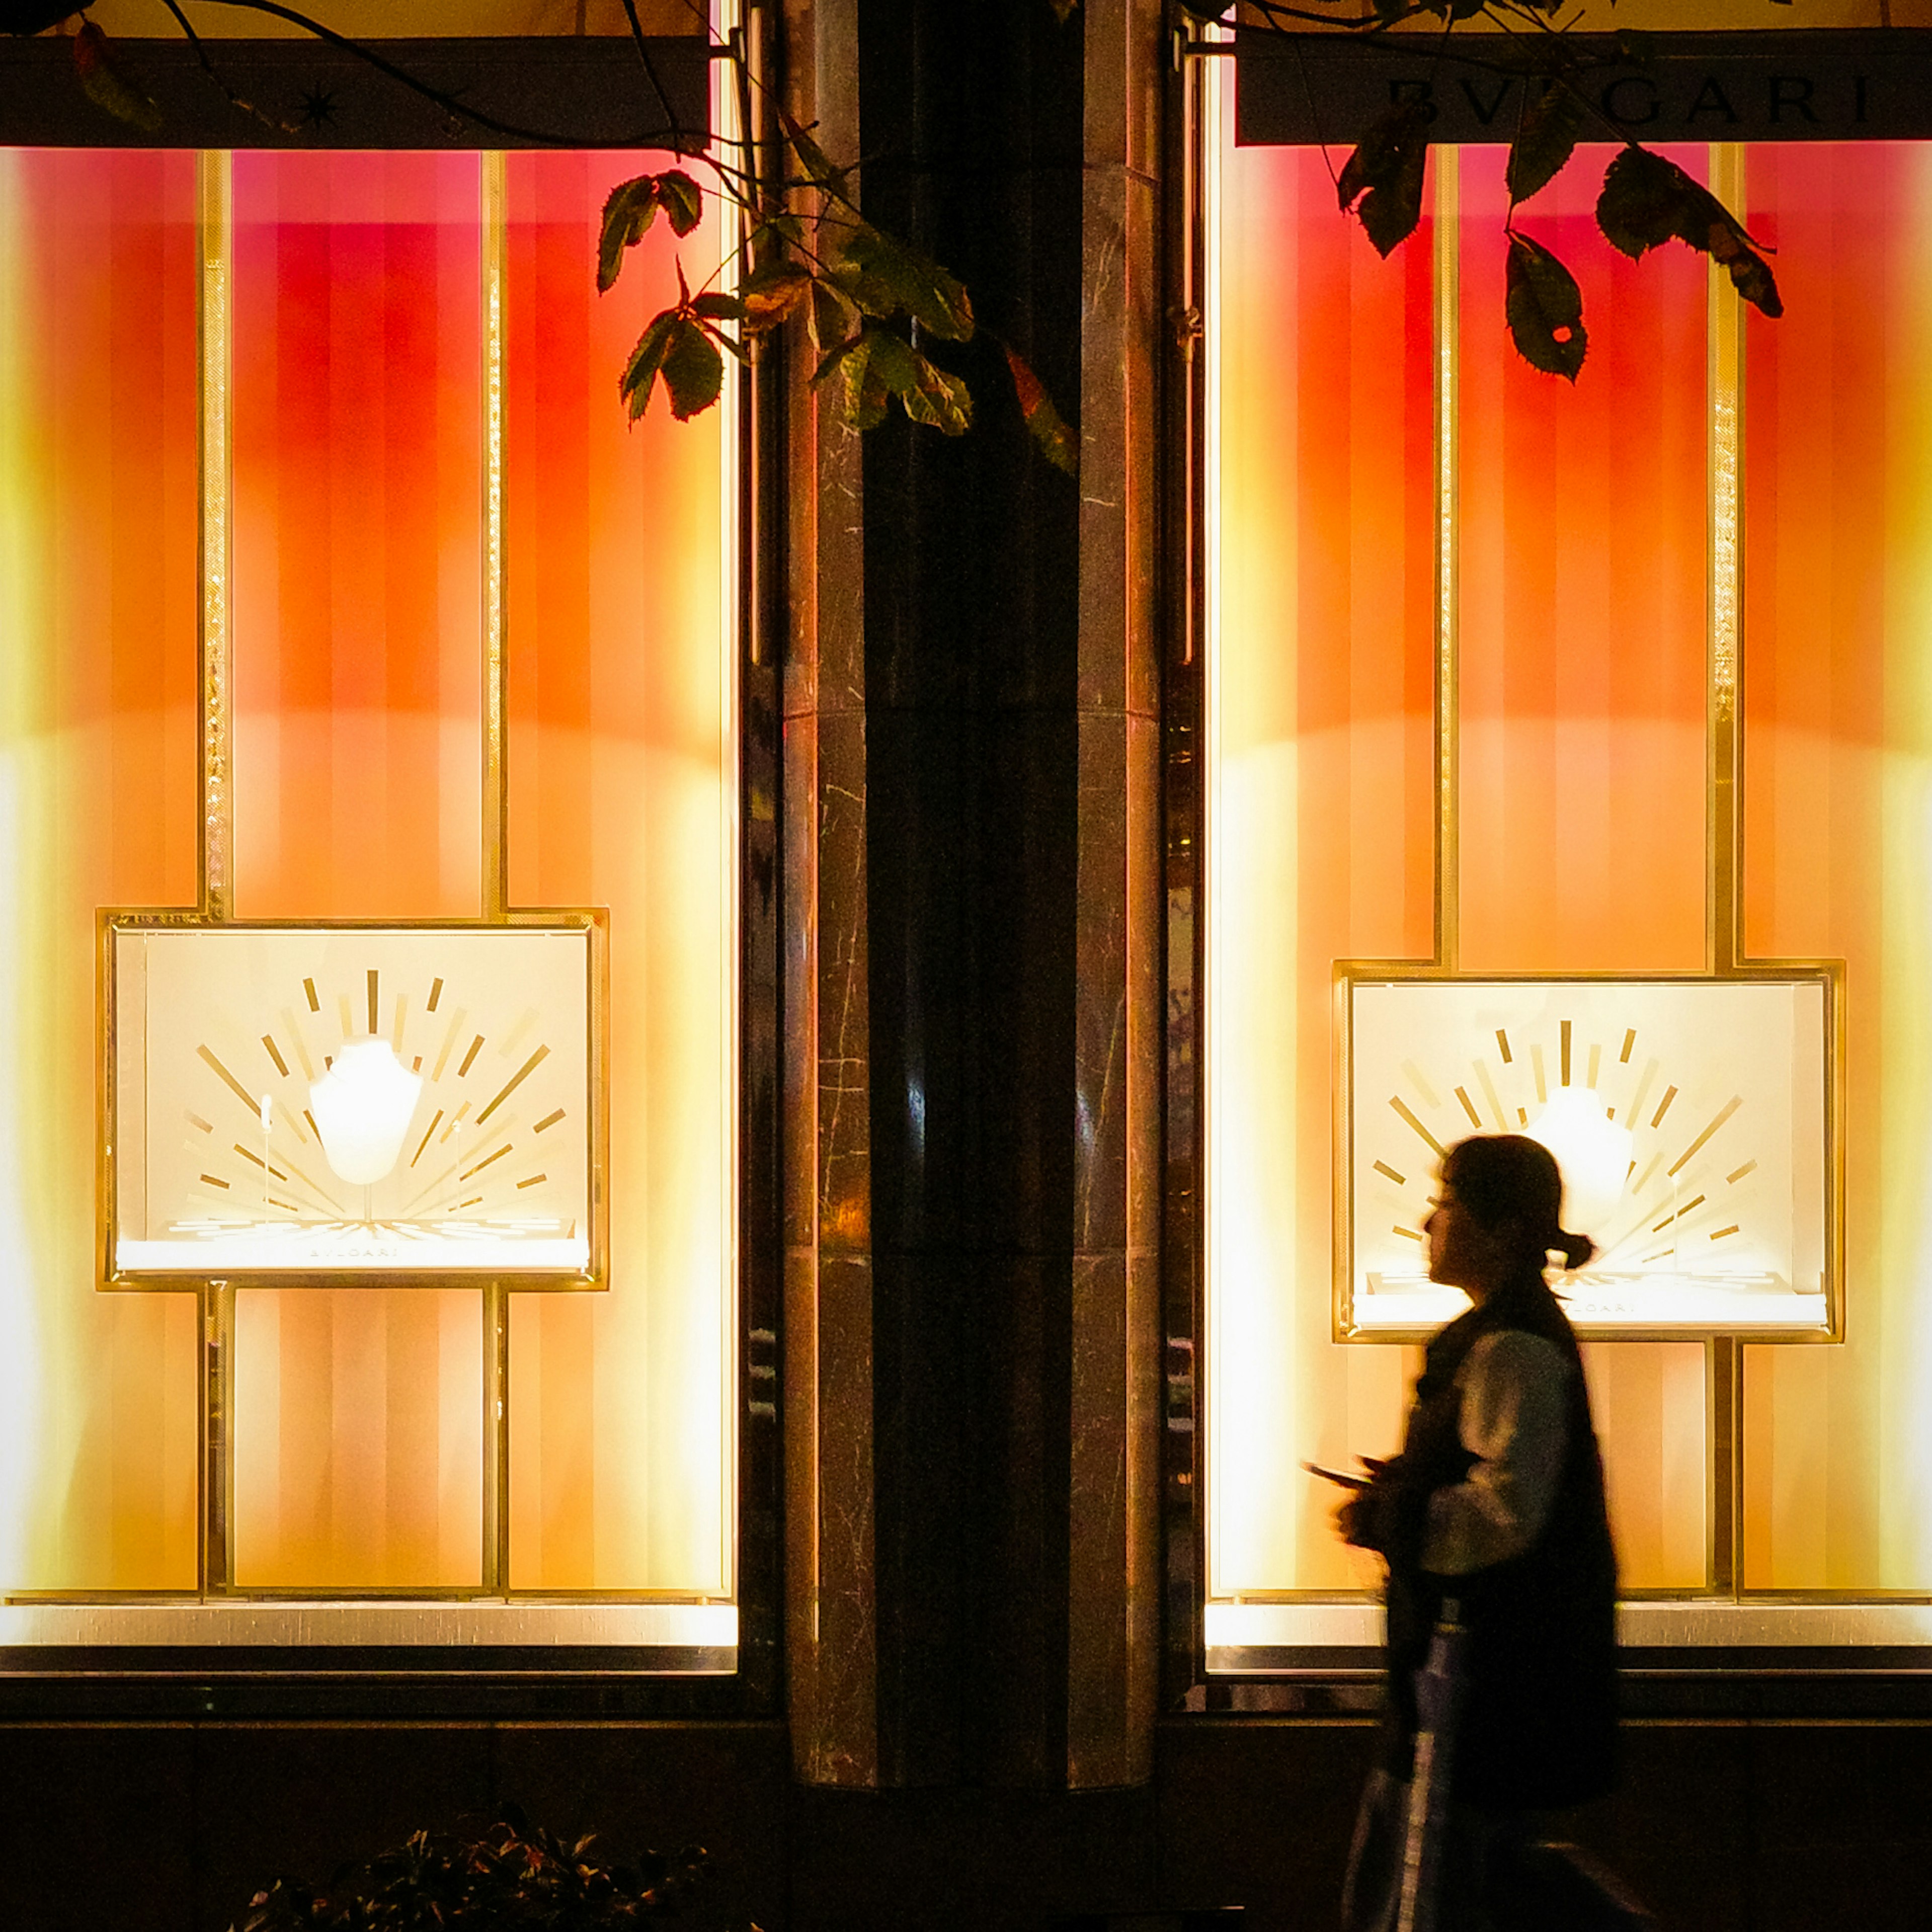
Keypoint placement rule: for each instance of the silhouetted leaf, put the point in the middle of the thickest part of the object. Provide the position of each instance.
(682, 200)
(1381, 180)
(1545, 309)
(629, 209)
(1058, 442)
(693, 371)
(640, 372)
(104, 83)
(1647, 200)
(1546, 140)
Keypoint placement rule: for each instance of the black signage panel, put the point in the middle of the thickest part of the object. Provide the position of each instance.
(1303, 90)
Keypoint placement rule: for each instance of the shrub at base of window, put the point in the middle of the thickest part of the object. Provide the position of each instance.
(514, 1873)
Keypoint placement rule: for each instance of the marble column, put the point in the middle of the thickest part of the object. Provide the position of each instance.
(972, 927)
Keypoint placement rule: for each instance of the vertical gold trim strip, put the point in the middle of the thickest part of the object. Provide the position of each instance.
(496, 694)
(1724, 946)
(1448, 243)
(215, 234)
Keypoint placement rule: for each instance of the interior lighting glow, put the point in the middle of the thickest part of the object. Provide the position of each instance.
(362, 1107)
(1594, 1152)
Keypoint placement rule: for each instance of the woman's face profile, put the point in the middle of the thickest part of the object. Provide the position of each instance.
(1463, 1253)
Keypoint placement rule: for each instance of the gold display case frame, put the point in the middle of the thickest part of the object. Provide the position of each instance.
(1828, 975)
(593, 922)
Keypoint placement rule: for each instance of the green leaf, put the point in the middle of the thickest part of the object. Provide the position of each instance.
(718, 308)
(1546, 140)
(1058, 442)
(812, 157)
(629, 209)
(771, 292)
(1647, 201)
(1544, 307)
(865, 396)
(936, 299)
(683, 200)
(640, 372)
(693, 371)
(1381, 180)
(104, 84)
(929, 394)
(834, 320)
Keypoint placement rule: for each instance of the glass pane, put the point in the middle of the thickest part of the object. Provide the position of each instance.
(358, 1438)
(357, 400)
(99, 1399)
(1581, 519)
(1321, 710)
(1837, 697)
(623, 774)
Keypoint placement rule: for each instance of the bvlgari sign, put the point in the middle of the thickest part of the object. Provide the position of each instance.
(1305, 90)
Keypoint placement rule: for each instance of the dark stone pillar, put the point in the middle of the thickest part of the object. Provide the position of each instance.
(972, 922)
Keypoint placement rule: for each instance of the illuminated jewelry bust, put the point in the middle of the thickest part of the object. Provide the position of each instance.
(362, 1107)
(1593, 1151)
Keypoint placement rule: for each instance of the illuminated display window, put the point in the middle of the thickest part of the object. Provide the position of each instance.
(1575, 718)
(370, 755)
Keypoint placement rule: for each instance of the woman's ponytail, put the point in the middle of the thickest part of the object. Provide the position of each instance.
(1576, 1249)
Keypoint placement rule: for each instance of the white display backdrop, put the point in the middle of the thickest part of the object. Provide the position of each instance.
(1692, 1119)
(313, 1101)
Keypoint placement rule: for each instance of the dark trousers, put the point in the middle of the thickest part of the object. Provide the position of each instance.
(1499, 1873)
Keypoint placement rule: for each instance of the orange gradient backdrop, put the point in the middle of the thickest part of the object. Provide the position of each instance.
(1319, 836)
(99, 1397)
(623, 793)
(1581, 618)
(1837, 794)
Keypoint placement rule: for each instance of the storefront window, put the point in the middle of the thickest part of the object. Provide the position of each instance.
(1598, 713)
(337, 588)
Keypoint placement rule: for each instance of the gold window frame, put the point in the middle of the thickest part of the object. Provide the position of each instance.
(1827, 975)
(591, 921)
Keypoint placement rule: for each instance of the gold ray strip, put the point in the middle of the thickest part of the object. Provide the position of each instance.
(1724, 1113)
(548, 1121)
(1489, 1094)
(1429, 1096)
(1629, 1040)
(1663, 1107)
(235, 1086)
(215, 229)
(1435, 1146)
(1596, 1062)
(1469, 1108)
(1536, 1068)
(1737, 1173)
(1564, 1078)
(274, 1054)
(456, 1020)
(515, 1081)
(1389, 1173)
(485, 1162)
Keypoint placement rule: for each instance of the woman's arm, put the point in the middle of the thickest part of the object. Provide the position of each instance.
(1514, 1421)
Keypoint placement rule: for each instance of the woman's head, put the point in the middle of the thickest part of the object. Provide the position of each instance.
(1497, 1214)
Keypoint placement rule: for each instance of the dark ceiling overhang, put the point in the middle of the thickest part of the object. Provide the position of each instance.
(1307, 89)
(552, 91)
